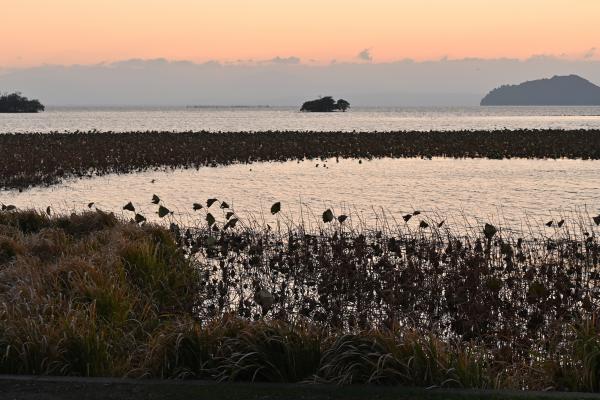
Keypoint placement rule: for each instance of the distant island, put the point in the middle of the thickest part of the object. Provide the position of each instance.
(325, 104)
(569, 90)
(15, 103)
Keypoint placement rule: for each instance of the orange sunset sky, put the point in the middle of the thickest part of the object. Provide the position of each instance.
(38, 32)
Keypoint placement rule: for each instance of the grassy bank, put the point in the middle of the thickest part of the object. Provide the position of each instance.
(92, 295)
(33, 159)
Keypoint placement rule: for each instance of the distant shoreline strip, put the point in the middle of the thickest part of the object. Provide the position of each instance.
(31, 159)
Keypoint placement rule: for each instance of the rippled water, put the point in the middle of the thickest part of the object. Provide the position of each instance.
(261, 119)
(506, 190)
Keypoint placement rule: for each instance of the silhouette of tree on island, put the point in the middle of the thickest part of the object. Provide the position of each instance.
(15, 103)
(325, 104)
(342, 105)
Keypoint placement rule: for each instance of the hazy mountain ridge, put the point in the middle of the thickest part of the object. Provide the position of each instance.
(569, 90)
(179, 83)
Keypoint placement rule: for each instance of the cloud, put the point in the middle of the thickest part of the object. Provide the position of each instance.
(365, 55)
(141, 63)
(543, 58)
(398, 83)
(156, 63)
(285, 60)
(590, 53)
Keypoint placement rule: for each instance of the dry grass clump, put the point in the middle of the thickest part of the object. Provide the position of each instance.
(271, 352)
(80, 294)
(402, 357)
(33, 159)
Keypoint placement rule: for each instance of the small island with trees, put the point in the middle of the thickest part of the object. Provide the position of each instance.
(325, 104)
(15, 103)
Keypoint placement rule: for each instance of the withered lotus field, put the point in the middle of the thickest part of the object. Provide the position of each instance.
(40, 158)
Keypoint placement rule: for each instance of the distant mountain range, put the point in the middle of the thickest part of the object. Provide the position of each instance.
(569, 90)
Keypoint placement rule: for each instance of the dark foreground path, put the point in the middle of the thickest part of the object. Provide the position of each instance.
(54, 388)
(34, 159)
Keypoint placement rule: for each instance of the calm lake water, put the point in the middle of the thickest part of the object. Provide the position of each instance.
(509, 191)
(260, 119)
